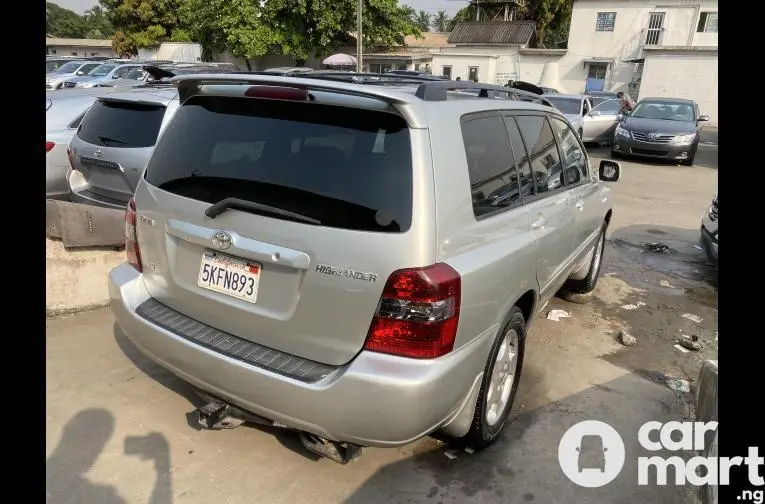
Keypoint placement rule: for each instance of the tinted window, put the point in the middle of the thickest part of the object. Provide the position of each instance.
(523, 168)
(574, 158)
(491, 165)
(88, 68)
(606, 106)
(668, 111)
(345, 167)
(570, 106)
(76, 123)
(121, 72)
(116, 124)
(102, 70)
(70, 67)
(543, 152)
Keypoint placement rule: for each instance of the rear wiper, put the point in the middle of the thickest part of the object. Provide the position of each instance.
(105, 139)
(218, 208)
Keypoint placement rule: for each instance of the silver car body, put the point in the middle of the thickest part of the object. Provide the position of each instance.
(104, 73)
(708, 238)
(64, 111)
(106, 170)
(596, 123)
(56, 79)
(297, 355)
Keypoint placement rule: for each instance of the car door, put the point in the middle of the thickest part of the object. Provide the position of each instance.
(600, 123)
(550, 207)
(580, 184)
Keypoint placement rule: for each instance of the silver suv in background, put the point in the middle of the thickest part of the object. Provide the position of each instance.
(112, 145)
(103, 73)
(357, 262)
(71, 69)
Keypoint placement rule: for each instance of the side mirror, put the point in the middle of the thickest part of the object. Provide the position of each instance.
(80, 72)
(620, 116)
(609, 171)
(703, 118)
(594, 113)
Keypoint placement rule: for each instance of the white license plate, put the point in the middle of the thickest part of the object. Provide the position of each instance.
(229, 275)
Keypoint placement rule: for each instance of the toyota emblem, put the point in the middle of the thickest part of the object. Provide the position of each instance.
(653, 136)
(98, 153)
(221, 240)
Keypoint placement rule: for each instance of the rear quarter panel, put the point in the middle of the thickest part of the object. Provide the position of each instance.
(495, 255)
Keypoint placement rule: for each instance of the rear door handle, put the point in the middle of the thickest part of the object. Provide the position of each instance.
(539, 223)
(580, 204)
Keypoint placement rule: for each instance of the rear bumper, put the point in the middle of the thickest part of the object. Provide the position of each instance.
(375, 400)
(80, 193)
(632, 147)
(56, 183)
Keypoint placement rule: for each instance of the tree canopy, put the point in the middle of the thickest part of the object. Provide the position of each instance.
(65, 23)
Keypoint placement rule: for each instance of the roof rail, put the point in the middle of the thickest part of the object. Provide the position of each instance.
(437, 91)
(369, 78)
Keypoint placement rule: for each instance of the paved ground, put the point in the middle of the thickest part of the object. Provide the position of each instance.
(117, 429)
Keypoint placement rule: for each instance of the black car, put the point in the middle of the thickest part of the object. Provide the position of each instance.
(664, 128)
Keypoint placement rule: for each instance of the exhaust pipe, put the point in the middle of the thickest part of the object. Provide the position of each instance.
(342, 453)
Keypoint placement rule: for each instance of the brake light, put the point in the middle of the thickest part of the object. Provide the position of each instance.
(277, 93)
(49, 146)
(418, 313)
(131, 236)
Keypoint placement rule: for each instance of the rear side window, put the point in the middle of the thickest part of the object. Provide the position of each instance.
(121, 124)
(543, 153)
(491, 164)
(347, 168)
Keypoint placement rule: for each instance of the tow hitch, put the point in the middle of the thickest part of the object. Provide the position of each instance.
(342, 453)
(216, 415)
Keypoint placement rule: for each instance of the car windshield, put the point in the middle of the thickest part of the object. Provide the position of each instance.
(135, 74)
(70, 67)
(569, 106)
(102, 70)
(665, 111)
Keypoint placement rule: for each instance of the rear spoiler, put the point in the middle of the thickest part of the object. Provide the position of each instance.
(191, 85)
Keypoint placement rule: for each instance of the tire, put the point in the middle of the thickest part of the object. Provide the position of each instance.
(484, 431)
(587, 284)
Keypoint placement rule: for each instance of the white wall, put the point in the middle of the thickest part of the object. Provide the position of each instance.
(460, 63)
(628, 36)
(532, 66)
(683, 75)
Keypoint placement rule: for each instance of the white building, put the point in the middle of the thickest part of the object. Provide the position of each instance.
(666, 49)
(55, 46)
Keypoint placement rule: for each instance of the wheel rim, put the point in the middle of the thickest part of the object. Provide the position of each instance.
(502, 377)
(598, 254)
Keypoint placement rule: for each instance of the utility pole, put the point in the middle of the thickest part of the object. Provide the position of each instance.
(359, 36)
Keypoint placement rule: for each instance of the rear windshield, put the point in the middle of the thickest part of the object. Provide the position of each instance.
(119, 124)
(346, 168)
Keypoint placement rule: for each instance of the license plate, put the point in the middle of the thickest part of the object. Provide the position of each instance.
(231, 276)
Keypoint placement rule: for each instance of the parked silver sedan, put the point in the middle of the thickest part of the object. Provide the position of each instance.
(593, 123)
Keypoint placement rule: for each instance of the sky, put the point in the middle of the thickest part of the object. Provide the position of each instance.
(450, 6)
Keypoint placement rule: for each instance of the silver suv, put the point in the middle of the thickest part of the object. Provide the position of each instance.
(113, 143)
(356, 262)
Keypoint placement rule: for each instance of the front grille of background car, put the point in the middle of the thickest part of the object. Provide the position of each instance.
(660, 139)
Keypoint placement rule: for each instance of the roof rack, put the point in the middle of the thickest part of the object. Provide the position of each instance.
(437, 91)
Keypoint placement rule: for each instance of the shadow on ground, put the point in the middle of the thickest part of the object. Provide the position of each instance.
(82, 441)
(522, 466)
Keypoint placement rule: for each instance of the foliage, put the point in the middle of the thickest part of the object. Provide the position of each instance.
(441, 21)
(464, 14)
(65, 23)
(553, 18)
(144, 23)
(423, 21)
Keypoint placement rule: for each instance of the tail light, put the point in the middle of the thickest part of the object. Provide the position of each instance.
(131, 237)
(418, 313)
(49, 146)
(277, 93)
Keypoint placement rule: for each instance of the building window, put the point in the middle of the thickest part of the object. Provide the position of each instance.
(374, 68)
(473, 74)
(605, 22)
(53, 51)
(707, 22)
(597, 70)
(74, 54)
(416, 67)
(447, 71)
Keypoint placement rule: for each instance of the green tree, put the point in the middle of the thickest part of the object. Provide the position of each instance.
(464, 14)
(552, 17)
(61, 22)
(423, 21)
(441, 21)
(144, 23)
(97, 23)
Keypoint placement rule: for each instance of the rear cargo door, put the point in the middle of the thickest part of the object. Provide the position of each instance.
(322, 213)
(113, 145)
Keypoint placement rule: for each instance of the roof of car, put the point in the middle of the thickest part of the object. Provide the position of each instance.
(667, 100)
(562, 95)
(158, 95)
